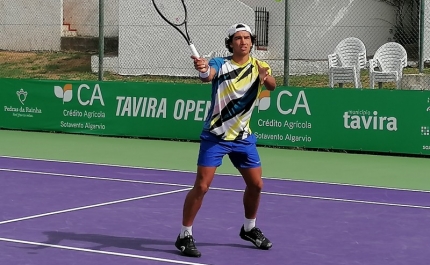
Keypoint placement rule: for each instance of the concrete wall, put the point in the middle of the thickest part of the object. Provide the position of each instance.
(30, 25)
(148, 45)
(83, 15)
(426, 51)
(316, 26)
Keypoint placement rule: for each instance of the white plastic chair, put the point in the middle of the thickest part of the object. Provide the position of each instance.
(225, 53)
(390, 59)
(217, 53)
(346, 62)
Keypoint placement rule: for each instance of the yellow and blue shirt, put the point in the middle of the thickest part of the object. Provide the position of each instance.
(235, 90)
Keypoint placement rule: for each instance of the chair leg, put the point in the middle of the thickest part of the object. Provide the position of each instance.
(357, 81)
(330, 80)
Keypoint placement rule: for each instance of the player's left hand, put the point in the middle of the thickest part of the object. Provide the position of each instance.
(263, 73)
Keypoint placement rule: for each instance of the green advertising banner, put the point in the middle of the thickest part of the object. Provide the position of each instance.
(395, 121)
(173, 111)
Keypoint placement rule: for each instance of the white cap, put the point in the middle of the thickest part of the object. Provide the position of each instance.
(238, 27)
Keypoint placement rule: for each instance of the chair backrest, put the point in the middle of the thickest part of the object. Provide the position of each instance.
(225, 53)
(351, 51)
(217, 53)
(391, 56)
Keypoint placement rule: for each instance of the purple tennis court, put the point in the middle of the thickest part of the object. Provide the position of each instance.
(70, 213)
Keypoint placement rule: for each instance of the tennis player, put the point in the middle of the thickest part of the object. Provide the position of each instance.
(237, 81)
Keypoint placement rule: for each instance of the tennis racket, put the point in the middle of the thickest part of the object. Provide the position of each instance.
(174, 12)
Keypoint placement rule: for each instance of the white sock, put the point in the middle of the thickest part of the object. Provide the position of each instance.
(186, 231)
(248, 224)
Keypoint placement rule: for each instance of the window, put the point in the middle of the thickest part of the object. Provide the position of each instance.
(261, 28)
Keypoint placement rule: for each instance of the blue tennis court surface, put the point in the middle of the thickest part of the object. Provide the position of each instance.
(70, 213)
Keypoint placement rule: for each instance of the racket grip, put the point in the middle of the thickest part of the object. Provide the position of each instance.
(194, 50)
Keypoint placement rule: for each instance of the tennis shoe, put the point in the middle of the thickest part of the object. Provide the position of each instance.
(256, 237)
(187, 247)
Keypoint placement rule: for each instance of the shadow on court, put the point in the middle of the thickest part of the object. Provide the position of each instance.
(105, 241)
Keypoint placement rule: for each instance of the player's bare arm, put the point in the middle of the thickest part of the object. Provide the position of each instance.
(206, 73)
(265, 78)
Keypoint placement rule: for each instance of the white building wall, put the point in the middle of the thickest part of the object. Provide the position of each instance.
(316, 26)
(426, 50)
(83, 15)
(148, 45)
(30, 25)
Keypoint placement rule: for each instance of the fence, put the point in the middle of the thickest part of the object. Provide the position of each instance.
(294, 37)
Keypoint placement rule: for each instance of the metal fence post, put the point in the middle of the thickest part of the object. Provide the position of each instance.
(421, 40)
(287, 45)
(101, 38)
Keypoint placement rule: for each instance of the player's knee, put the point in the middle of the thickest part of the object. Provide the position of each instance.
(201, 189)
(256, 186)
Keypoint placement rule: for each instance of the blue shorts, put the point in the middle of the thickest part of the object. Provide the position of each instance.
(242, 153)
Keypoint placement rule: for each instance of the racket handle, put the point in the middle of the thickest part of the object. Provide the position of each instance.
(194, 50)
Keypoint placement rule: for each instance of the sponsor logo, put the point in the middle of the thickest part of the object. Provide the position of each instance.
(425, 130)
(23, 110)
(65, 93)
(86, 95)
(263, 101)
(284, 104)
(22, 95)
(365, 120)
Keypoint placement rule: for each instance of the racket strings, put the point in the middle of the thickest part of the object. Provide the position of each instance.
(173, 11)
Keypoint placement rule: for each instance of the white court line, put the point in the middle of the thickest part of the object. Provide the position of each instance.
(100, 252)
(90, 177)
(222, 189)
(334, 199)
(92, 206)
(221, 174)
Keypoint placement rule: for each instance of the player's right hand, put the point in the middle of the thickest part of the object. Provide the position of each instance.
(200, 64)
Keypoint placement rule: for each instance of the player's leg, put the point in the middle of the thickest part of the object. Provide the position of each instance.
(251, 196)
(251, 202)
(246, 159)
(193, 202)
(194, 198)
(210, 157)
